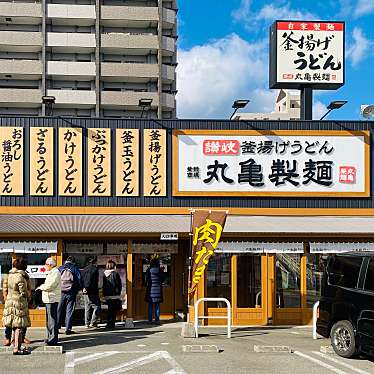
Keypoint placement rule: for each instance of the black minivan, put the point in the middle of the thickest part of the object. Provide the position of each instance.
(346, 309)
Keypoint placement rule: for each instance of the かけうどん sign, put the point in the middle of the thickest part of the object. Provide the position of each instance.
(307, 54)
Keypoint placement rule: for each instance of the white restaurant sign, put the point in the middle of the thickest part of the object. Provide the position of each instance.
(264, 163)
(257, 247)
(341, 247)
(307, 53)
(28, 247)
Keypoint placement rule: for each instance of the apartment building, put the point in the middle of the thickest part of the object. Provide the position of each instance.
(98, 58)
(287, 107)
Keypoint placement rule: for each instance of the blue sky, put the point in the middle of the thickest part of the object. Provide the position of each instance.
(223, 54)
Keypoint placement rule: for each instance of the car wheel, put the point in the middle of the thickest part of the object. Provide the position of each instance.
(343, 339)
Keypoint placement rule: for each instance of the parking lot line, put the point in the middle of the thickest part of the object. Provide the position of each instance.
(132, 364)
(320, 363)
(341, 363)
(69, 363)
(93, 357)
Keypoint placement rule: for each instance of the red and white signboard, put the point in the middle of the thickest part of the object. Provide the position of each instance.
(307, 53)
(283, 163)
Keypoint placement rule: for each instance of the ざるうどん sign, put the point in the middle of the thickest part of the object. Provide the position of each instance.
(263, 163)
(307, 53)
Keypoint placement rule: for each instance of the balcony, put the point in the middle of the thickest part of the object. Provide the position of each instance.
(128, 100)
(22, 13)
(168, 45)
(71, 41)
(73, 98)
(17, 97)
(168, 73)
(169, 17)
(71, 70)
(20, 41)
(72, 14)
(136, 44)
(129, 72)
(20, 69)
(129, 16)
(168, 101)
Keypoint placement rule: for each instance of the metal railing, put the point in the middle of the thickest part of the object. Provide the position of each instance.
(228, 317)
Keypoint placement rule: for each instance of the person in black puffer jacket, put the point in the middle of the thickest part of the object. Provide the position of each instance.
(91, 293)
(153, 294)
(112, 287)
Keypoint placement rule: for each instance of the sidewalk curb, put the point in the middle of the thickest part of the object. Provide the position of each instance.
(200, 349)
(37, 350)
(272, 348)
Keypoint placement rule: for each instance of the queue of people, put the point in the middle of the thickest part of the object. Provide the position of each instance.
(59, 294)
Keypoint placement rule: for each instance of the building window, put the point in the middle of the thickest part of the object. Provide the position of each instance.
(287, 270)
(6, 265)
(219, 279)
(248, 281)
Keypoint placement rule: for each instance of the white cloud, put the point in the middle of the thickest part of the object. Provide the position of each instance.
(319, 109)
(268, 13)
(271, 13)
(364, 8)
(243, 11)
(212, 76)
(360, 47)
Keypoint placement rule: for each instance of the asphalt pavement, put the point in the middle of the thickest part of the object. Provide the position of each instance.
(161, 350)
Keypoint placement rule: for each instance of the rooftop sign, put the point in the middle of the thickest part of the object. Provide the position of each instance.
(306, 53)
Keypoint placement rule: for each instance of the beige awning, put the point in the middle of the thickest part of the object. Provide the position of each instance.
(115, 224)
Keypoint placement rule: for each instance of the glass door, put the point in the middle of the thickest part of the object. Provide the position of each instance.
(249, 289)
(140, 267)
(287, 288)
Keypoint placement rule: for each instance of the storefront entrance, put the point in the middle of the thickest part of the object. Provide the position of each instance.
(140, 265)
(278, 289)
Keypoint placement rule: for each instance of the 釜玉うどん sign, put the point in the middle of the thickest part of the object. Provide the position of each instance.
(263, 163)
(307, 53)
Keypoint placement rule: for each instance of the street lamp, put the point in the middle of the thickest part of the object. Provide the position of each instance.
(238, 104)
(48, 101)
(334, 105)
(367, 111)
(145, 104)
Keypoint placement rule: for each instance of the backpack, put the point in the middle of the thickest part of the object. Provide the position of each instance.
(112, 285)
(67, 280)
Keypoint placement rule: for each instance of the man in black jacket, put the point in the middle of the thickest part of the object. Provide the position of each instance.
(91, 293)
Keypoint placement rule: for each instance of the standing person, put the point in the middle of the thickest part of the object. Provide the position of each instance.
(91, 293)
(8, 330)
(16, 309)
(153, 295)
(51, 295)
(112, 287)
(71, 284)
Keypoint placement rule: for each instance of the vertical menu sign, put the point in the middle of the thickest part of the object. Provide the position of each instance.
(154, 162)
(127, 159)
(70, 161)
(11, 166)
(98, 149)
(41, 161)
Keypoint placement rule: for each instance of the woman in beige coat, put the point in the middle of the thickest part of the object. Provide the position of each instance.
(16, 309)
